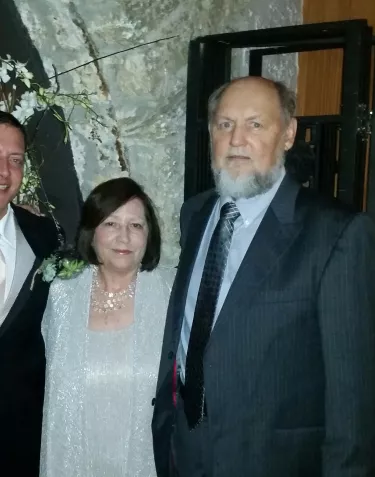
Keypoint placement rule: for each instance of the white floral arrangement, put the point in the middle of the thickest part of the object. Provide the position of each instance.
(14, 79)
(23, 97)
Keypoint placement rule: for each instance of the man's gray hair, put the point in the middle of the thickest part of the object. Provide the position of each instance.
(287, 98)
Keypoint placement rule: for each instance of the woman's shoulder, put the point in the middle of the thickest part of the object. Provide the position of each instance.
(161, 278)
(68, 285)
(166, 274)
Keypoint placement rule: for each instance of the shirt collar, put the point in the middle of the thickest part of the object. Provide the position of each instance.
(252, 207)
(7, 228)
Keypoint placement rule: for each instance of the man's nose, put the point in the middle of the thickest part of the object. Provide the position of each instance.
(238, 137)
(4, 166)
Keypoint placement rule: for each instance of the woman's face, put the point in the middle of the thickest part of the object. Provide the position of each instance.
(120, 240)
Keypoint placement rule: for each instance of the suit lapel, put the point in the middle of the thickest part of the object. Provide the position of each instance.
(276, 233)
(22, 296)
(30, 232)
(28, 224)
(188, 256)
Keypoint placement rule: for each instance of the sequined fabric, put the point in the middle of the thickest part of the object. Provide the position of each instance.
(99, 385)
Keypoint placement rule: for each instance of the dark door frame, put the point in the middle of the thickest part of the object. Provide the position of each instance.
(370, 126)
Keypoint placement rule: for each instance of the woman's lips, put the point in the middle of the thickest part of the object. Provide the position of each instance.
(122, 251)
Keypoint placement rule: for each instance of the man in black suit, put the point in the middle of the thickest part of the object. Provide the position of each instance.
(25, 240)
(271, 322)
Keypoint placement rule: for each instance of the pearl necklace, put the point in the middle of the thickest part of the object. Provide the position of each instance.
(105, 302)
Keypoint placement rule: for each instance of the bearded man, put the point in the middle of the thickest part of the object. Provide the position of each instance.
(271, 322)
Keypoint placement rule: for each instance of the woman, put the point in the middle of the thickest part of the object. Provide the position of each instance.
(103, 333)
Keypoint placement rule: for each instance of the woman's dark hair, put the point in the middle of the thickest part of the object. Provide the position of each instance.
(9, 120)
(102, 202)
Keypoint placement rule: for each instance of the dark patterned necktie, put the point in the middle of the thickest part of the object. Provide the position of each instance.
(204, 313)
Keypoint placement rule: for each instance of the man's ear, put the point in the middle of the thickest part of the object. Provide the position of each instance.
(290, 134)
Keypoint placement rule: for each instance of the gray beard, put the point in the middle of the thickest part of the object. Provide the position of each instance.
(246, 186)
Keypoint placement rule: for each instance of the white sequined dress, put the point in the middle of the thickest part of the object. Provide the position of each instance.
(99, 385)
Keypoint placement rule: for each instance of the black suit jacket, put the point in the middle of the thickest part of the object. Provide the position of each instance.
(290, 365)
(22, 359)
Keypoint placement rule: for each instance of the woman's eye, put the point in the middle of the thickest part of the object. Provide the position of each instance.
(137, 225)
(109, 224)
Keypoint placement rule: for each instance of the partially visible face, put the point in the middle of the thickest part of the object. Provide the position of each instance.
(120, 240)
(248, 133)
(12, 152)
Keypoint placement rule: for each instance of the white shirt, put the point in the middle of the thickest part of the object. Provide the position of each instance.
(252, 212)
(8, 247)
(19, 259)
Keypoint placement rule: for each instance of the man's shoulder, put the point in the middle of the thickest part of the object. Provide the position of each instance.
(197, 201)
(324, 207)
(331, 218)
(40, 231)
(25, 216)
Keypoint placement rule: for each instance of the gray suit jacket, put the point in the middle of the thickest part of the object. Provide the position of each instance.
(290, 365)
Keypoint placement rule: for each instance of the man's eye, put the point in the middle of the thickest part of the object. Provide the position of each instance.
(224, 125)
(256, 125)
(109, 224)
(17, 160)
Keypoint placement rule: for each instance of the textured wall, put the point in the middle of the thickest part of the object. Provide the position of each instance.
(141, 92)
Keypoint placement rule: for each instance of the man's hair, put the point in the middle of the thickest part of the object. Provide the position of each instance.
(102, 202)
(9, 120)
(286, 96)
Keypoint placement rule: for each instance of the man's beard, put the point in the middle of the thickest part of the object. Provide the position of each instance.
(246, 185)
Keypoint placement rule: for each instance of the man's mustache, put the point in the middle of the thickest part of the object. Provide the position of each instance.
(238, 152)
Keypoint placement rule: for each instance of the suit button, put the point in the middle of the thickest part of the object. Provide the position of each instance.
(153, 402)
(170, 355)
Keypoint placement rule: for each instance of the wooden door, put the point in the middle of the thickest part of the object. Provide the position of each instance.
(320, 72)
(319, 79)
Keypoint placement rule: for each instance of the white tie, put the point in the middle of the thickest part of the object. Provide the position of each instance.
(2, 278)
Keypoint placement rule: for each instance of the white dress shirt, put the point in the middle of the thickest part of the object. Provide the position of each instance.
(8, 247)
(2, 278)
(19, 259)
(252, 212)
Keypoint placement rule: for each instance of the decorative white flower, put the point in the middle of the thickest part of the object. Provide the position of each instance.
(49, 272)
(27, 105)
(37, 98)
(18, 65)
(4, 77)
(23, 73)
